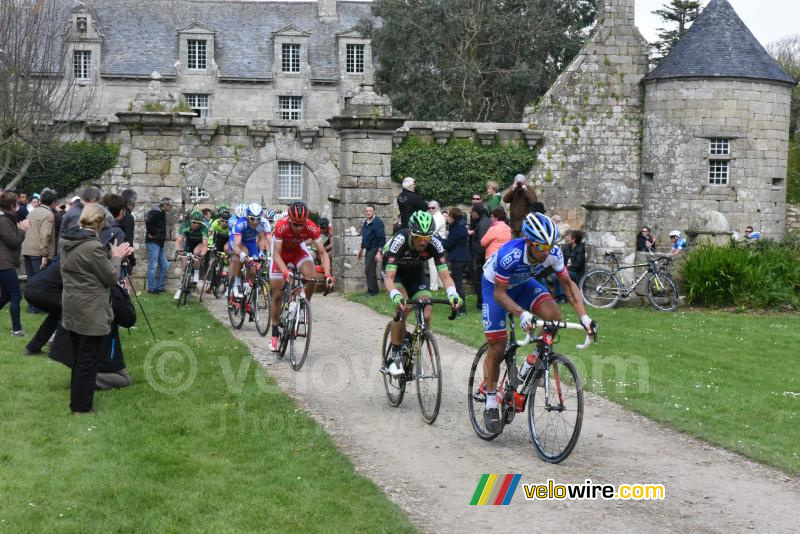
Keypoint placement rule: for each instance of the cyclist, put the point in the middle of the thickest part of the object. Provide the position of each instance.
(219, 231)
(251, 237)
(509, 285)
(192, 237)
(288, 246)
(406, 273)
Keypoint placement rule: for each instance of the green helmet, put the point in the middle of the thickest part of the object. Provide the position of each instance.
(222, 208)
(421, 224)
(196, 216)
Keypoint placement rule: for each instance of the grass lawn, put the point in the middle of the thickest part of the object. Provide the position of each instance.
(732, 379)
(230, 453)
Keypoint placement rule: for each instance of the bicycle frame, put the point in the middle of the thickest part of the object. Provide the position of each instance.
(651, 267)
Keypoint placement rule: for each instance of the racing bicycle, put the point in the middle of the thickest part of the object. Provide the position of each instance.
(255, 298)
(602, 288)
(551, 390)
(216, 278)
(294, 322)
(420, 361)
(187, 283)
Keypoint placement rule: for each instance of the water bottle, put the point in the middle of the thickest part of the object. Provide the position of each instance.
(247, 288)
(292, 308)
(530, 361)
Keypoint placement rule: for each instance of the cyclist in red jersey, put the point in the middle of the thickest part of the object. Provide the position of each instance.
(288, 246)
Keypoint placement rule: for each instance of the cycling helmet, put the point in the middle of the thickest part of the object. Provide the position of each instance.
(675, 233)
(540, 228)
(324, 223)
(222, 208)
(196, 216)
(240, 210)
(421, 224)
(254, 210)
(298, 212)
(270, 215)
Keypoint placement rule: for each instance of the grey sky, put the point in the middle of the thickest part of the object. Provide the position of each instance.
(769, 20)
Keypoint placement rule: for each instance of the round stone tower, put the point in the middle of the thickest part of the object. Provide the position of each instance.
(716, 131)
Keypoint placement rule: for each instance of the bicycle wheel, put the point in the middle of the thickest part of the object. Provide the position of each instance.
(300, 335)
(283, 341)
(220, 282)
(182, 286)
(476, 394)
(662, 292)
(187, 288)
(395, 386)
(600, 288)
(555, 414)
(261, 306)
(236, 309)
(428, 373)
(208, 280)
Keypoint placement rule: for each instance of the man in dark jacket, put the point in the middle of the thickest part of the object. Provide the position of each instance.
(72, 218)
(44, 292)
(111, 370)
(479, 225)
(521, 199)
(574, 252)
(128, 225)
(373, 237)
(458, 254)
(156, 234)
(409, 202)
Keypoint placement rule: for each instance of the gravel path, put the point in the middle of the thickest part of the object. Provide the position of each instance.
(432, 471)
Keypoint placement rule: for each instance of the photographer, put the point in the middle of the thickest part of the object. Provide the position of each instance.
(521, 198)
(645, 241)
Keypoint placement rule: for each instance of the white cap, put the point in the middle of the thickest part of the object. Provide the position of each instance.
(75, 199)
(519, 178)
(675, 233)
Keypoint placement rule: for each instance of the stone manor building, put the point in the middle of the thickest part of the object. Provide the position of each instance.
(286, 110)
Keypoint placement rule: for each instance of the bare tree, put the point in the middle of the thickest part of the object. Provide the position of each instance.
(38, 99)
(787, 53)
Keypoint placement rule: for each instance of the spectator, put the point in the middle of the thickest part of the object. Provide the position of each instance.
(678, 243)
(479, 225)
(128, 225)
(35, 202)
(91, 195)
(538, 207)
(520, 199)
(458, 254)
(207, 215)
(12, 234)
(563, 228)
(111, 369)
(575, 261)
(477, 198)
(326, 232)
(21, 212)
(156, 234)
(373, 237)
(408, 201)
(493, 198)
(441, 232)
(39, 246)
(88, 273)
(498, 233)
(58, 213)
(44, 292)
(750, 235)
(645, 242)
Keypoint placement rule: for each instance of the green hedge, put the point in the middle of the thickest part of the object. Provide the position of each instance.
(450, 173)
(64, 166)
(793, 176)
(763, 275)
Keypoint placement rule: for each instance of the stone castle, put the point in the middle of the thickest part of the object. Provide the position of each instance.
(698, 144)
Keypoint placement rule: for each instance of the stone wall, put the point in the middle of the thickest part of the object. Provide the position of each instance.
(681, 116)
(793, 218)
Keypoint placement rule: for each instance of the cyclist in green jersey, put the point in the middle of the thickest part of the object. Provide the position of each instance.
(193, 237)
(219, 231)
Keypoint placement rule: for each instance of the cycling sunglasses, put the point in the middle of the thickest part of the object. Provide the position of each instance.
(253, 218)
(423, 238)
(541, 247)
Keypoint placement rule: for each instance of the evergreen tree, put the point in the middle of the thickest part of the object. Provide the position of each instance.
(680, 12)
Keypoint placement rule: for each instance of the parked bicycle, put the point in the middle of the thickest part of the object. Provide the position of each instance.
(420, 362)
(216, 275)
(187, 282)
(602, 288)
(254, 300)
(551, 389)
(295, 320)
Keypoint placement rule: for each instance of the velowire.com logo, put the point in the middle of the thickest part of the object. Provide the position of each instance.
(495, 489)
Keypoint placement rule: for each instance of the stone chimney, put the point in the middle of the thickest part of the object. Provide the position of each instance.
(621, 10)
(327, 9)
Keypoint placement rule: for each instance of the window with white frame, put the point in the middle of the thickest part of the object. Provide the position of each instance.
(290, 180)
(718, 171)
(198, 102)
(355, 58)
(290, 57)
(82, 65)
(197, 193)
(290, 108)
(719, 147)
(196, 54)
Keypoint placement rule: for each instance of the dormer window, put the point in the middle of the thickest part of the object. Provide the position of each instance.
(290, 49)
(355, 58)
(82, 65)
(82, 25)
(197, 54)
(290, 57)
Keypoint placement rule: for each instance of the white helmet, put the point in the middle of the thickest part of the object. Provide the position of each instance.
(240, 210)
(540, 228)
(254, 210)
(675, 233)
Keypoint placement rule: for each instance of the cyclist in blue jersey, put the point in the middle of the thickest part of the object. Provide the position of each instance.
(510, 286)
(251, 238)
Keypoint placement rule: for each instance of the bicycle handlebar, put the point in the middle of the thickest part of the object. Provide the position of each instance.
(418, 302)
(559, 325)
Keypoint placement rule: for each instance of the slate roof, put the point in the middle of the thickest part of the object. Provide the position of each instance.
(140, 36)
(719, 45)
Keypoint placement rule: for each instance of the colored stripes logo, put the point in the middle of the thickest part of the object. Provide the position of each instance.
(495, 489)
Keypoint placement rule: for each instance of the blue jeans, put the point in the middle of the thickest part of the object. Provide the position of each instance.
(156, 258)
(558, 289)
(11, 293)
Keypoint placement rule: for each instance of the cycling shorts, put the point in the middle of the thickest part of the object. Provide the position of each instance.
(192, 244)
(528, 295)
(414, 279)
(296, 256)
(251, 246)
(219, 245)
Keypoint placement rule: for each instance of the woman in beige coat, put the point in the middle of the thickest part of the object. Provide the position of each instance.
(88, 273)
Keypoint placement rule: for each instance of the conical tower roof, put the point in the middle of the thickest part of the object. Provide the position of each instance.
(719, 45)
